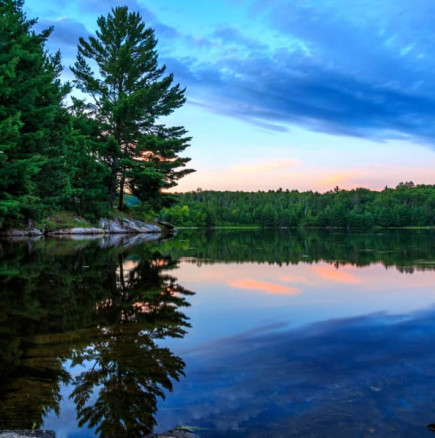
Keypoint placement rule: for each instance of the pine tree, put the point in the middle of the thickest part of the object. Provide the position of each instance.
(130, 93)
(32, 119)
(86, 171)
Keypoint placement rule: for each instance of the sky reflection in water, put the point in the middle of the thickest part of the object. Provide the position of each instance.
(323, 335)
(307, 349)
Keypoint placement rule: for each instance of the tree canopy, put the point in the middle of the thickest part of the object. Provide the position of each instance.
(33, 122)
(406, 205)
(82, 156)
(130, 92)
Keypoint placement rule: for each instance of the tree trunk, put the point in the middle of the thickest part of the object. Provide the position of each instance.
(113, 179)
(121, 192)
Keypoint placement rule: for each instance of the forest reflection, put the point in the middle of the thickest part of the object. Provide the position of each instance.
(407, 250)
(91, 316)
(67, 306)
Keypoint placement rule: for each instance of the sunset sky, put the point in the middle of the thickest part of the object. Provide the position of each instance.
(298, 94)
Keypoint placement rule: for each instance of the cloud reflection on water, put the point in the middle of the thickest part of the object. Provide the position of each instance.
(359, 376)
(263, 286)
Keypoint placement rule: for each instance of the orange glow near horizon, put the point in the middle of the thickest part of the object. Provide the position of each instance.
(335, 275)
(293, 173)
(264, 286)
(289, 279)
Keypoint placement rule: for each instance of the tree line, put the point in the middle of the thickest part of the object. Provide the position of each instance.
(407, 250)
(406, 205)
(59, 152)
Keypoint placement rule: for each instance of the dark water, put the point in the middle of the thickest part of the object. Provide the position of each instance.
(237, 333)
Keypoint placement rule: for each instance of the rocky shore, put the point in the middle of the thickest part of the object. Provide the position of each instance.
(105, 226)
(175, 433)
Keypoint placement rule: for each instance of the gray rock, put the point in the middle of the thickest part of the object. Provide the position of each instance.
(78, 237)
(76, 230)
(131, 226)
(14, 232)
(35, 232)
(27, 433)
(111, 225)
(91, 230)
(127, 226)
(152, 228)
(174, 434)
(111, 240)
(137, 239)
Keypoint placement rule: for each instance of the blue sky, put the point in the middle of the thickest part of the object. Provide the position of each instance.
(304, 94)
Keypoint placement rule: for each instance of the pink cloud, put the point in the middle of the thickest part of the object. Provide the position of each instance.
(338, 276)
(264, 286)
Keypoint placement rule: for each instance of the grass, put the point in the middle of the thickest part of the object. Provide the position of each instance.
(64, 219)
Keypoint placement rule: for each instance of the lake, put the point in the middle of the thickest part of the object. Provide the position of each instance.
(239, 333)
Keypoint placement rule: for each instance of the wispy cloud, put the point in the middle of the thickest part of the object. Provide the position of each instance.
(352, 69)
(336, 275)
(264, 286)
(345, 68)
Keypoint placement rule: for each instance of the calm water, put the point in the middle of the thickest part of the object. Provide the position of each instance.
(237, 333)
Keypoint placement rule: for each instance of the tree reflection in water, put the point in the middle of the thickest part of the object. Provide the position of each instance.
(69, 307)
(108, 309)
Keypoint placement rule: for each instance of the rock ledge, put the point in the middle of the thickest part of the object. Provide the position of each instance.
(106, 226)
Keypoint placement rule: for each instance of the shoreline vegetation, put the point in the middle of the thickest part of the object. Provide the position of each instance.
(406, 206)
(109, 156)
(90, 156)
(64, 224)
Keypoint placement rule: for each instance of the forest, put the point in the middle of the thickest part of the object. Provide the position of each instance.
(109, 150)
(59, 152)
(406, 205)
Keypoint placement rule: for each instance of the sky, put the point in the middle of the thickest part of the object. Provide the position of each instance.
(297, 94)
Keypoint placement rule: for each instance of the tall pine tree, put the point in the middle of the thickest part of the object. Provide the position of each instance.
(32, 119)
(85, 158)
(130, 92)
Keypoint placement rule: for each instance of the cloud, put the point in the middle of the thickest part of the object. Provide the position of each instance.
(103, 7)
(331, 379)
(345, 68)
(65, 37)
(343, 178)
(335, 275)
(229, 35)
(66, 32)
(348, 69)
(263, 286)
(285, 89)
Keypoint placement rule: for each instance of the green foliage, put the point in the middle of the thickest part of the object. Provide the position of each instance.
(407, 205)
(87, 173)
(52, 158)
(407, 250)
(32, 119)
(130, 93)
(63, 219)
(55, 310)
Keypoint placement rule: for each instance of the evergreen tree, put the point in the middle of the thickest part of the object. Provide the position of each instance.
(87, 173)
(32, 119)
(130, 93)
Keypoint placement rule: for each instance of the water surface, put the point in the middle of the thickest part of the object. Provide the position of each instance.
(238, 333)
